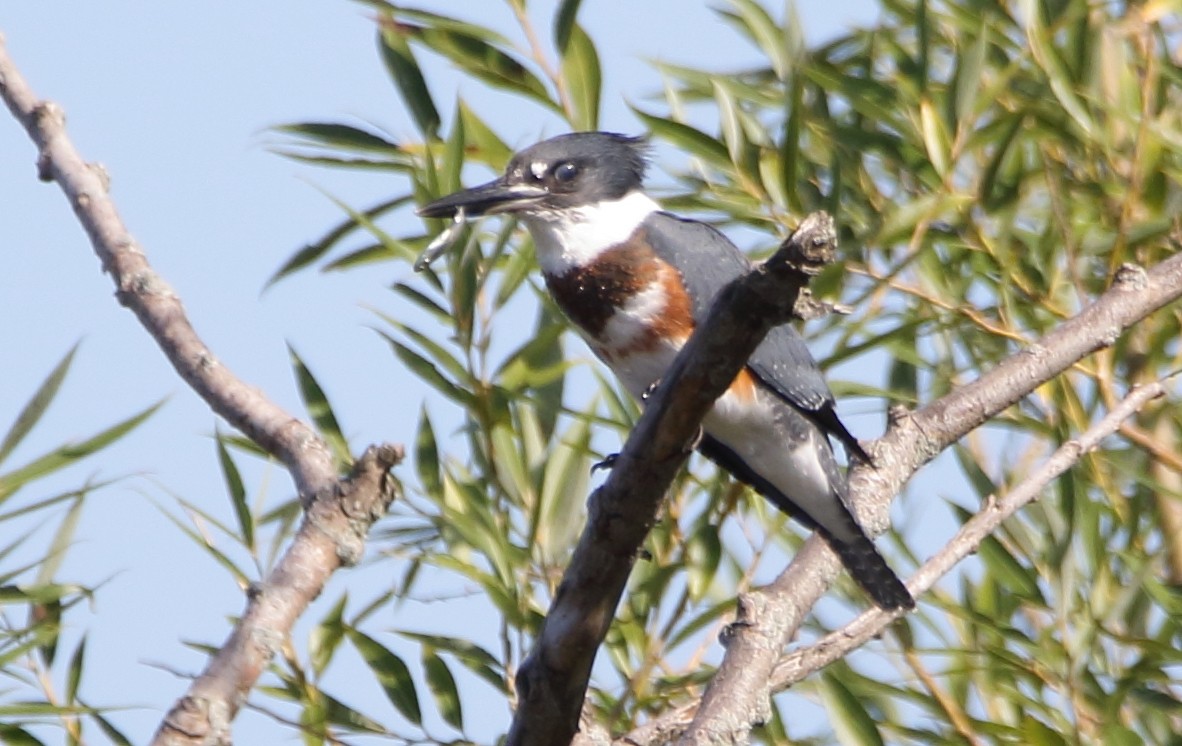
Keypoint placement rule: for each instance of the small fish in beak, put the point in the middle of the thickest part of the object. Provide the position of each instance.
(495, 197)
(443, 241)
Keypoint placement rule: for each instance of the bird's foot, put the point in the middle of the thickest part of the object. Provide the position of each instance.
(608, 462)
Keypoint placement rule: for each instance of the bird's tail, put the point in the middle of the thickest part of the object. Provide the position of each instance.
(867, 567)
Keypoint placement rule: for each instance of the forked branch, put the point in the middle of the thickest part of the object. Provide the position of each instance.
(340, 510)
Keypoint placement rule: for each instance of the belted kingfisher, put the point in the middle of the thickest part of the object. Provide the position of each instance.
(635, 280)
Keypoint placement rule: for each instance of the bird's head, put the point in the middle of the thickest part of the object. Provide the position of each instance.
(564, 172)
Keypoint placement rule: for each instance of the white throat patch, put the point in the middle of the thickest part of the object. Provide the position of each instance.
(575, 237)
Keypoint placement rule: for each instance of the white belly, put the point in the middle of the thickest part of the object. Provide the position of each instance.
(786, 454)
(639, 370)
(777, 442)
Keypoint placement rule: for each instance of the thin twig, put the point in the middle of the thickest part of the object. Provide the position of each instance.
(794, 667)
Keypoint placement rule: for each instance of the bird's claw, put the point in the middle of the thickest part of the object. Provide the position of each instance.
(608, 462)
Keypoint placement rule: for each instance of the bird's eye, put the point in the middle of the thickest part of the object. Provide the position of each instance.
(565, 173)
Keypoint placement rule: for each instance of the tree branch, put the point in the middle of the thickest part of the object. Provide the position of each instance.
(794, 667)
(152, 300)
(339, 512)
(552, 682)
(331, 535)
(768, 618)
(799, 664)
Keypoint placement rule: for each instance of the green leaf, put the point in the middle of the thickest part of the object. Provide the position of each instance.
(14, 735)
(732, 129)
(453, 155)
(39, 505)
(1015, 579)
(48, 626)
(408, 77)
(339, 161)
(703, 556)
(484, 144)
(766, 33)
(427, 455)
(982, 484)
(1058, 74)
(314, 251)
(110, 731)
(514, 273)
(997, 185)
(43, 593)
(448, 23)
(372, 254)
(443, 687)
(327, 635)
(473, 657)
(237, 491)
(66, 455)
(485, 61)
(564, 492)
(903, 376)
(396, 247)
(564, 24)
(790, 155)
(392, 674)
(1037, 733)
(538, 362)
(340, 714)
(436, 352)
(423, 301)
(62, 538)
(969, 64)
(583, 77)
(202, 540)
(342, 136)
(935, 137)
(851, 722)
(74, 672)
(35, 408)
(694, 142)
(428, 373)
(320, 410)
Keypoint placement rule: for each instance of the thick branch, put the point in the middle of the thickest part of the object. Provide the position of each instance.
(799, 664)
(340, 512)
(552, 682)
(738, 695)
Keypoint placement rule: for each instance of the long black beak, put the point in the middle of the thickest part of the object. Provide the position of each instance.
(486, 199)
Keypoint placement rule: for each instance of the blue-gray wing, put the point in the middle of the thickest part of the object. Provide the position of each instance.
(707, 261)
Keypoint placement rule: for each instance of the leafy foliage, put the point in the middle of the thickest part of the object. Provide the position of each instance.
(42, 681)
(990, 166)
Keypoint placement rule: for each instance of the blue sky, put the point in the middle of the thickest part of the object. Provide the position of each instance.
(176, 101)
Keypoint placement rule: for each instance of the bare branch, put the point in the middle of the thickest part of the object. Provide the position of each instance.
(794, 667)
(145, 293)
(552, 682)
(332, 534)
(339, 512)
(769, 617)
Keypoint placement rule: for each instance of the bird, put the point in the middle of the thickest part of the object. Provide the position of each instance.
(635, 280)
